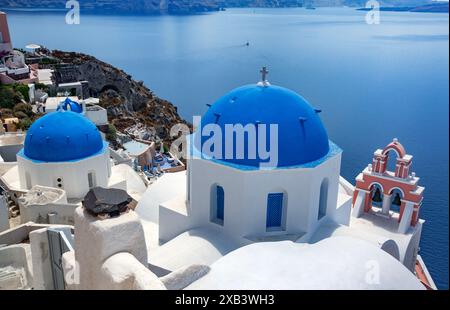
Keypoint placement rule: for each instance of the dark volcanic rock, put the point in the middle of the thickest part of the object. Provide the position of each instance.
(127, 101)
(111, 201)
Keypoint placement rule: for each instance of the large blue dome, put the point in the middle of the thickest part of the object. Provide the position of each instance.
(302, 137)
(62, 136)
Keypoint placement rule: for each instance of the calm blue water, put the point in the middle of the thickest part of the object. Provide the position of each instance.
(373, 82)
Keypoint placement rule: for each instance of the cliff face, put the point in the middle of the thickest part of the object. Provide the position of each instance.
(131, 106)
(318, 3)
(134, 6)
(261, 3)
(190, 6)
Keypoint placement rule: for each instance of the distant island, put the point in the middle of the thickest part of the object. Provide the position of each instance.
(200, 6)
(439, 7)
(119, 6)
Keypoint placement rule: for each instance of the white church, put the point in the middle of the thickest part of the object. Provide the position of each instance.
(63, 157)
(287, 225)
(240, 197)
(71, 139)
(273, 213)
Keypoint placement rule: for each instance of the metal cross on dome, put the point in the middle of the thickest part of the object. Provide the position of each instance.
(264, 72)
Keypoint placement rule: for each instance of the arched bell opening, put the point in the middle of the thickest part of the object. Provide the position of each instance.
(376, 195)
(396, 199)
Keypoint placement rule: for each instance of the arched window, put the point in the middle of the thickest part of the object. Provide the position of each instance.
(323, 199)
(276, 209)
(217, 204)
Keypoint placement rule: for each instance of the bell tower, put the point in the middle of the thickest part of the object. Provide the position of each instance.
(379, 190)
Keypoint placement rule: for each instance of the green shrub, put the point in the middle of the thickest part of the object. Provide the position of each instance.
(7, 97)
(24, 108)
(166, 149)
(20, 115)
(41, 86)
(24, 124)
(23, 90)
(12, 94)
(111, 136)
(48, 61)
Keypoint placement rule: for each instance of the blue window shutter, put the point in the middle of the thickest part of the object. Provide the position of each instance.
(274, 210)
(220, 203)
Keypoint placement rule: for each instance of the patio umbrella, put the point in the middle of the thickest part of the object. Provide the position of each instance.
(32, 46)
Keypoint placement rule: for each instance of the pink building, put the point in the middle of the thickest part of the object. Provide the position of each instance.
(5, 37)
(13, 67)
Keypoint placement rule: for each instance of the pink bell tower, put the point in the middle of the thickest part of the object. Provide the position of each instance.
(400, 187)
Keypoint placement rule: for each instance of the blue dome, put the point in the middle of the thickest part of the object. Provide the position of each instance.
(62, 136)
(74, 106)
(302, 137)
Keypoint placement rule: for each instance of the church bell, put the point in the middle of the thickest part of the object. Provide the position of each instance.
(377, 196)
(397, 200)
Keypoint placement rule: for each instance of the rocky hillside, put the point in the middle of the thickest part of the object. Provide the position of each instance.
(132, 107)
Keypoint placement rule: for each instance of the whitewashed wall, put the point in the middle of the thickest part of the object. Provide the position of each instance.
(246, 196)
(74, 174)
(61, 213)
(98, 117)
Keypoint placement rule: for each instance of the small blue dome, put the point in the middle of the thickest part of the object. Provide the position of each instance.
(74, 106)
(62, 136)
(302, 137)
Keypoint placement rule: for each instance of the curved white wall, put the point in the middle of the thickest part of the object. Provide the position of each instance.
(74, 174)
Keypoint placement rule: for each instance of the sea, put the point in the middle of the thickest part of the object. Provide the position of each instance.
(373, 82)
